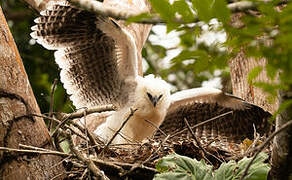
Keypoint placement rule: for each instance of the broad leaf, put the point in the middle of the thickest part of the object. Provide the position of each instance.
(233, 171)
(220, 11)
(203, 9)
(180, 167)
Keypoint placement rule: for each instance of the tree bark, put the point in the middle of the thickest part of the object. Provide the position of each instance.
(16, 102)
(282, 144)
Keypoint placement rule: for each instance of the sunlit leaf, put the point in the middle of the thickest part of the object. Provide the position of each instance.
(204, 10)
(220, 11)
(184, 10)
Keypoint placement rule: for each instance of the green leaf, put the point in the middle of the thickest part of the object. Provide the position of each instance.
(184, 10)
(254, 73)
(271, 71)
(220, 11)
(269, 87)
(166, 12)
(203, 9)
(226, 171)
(164, 9)
(258, 170)
(180, 167)
(187, 38)
(232, 170)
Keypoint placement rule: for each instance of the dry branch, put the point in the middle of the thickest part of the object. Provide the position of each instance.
(80, 113)
(51, 124)
(150, 157)
(199, 144)
(46, 152)
(66, 126)
(88, 161)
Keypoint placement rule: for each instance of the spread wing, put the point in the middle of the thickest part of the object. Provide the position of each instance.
(94, 53)
(201, 104)
(138, 31)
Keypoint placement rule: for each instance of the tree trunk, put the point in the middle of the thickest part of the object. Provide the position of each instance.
(17, 101)
(282, 144)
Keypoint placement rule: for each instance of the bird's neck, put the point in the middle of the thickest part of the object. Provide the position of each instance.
(142, 127)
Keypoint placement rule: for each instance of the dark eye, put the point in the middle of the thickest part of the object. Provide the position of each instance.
(149, 95)
(160, 96)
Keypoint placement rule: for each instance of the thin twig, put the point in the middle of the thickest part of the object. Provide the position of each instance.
(51, 123)
(118, 131)
(149, 158)
(106, 164)
(86, 130)
(125, 137)
(202, 123)
(90, 164)
(264, 144)
(80, 114)
(116, 146)
(83, 174)
(58, 176)
(199, 144)
(60, 125)
(32, 147)
(46, 152)
(157, 127)
(120, 166)
(255, 141)
(92, 140)
(55, 165)
(68, 127)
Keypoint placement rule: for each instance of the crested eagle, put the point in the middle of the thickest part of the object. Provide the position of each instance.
(100, 62)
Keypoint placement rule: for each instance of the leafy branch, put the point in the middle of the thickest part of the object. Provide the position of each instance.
(145, 17)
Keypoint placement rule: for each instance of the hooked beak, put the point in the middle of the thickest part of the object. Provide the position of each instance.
(154, 100)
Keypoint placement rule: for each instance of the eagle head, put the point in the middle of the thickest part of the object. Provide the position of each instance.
(152, 94)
